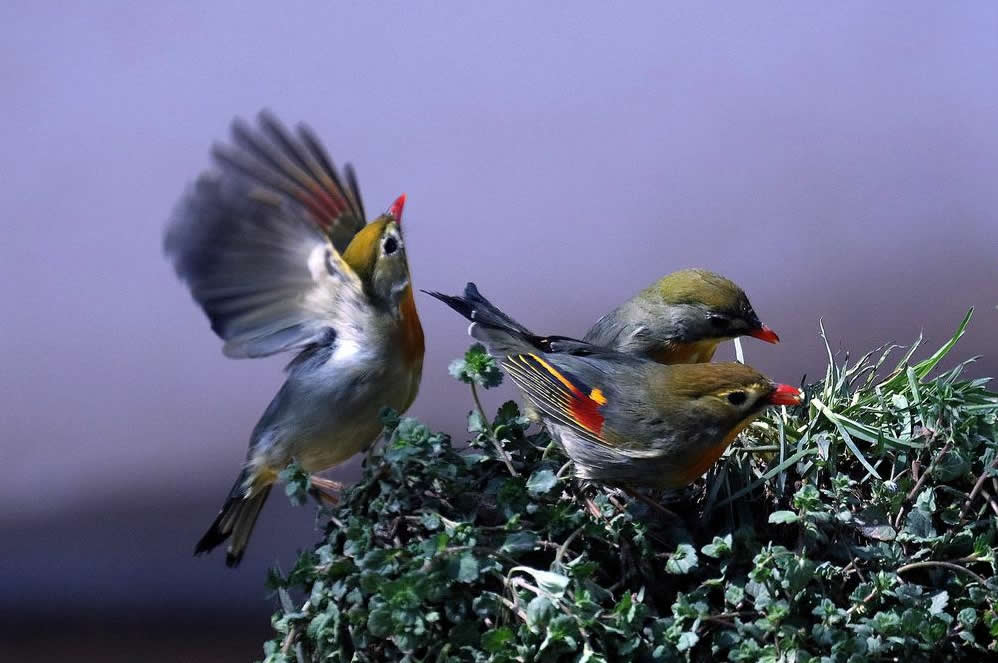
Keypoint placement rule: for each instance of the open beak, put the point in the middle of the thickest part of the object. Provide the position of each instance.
(764, 333)
(396, 209)
(784, 394)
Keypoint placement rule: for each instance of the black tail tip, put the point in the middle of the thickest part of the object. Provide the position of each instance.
(211, 540)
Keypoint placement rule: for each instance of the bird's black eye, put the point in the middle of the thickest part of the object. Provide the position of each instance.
(719, 322)
(737, 397)
(391, 246)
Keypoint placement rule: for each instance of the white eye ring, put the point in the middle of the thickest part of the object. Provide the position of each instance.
(390, 245)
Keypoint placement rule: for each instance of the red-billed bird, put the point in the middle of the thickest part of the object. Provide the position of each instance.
(275, 249)
(623, 418)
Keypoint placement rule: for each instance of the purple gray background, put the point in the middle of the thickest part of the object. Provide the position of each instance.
(837, 161)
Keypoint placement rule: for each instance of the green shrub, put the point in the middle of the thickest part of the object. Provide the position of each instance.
(857, 527)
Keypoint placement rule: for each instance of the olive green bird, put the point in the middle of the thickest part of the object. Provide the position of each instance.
(680, 319)
(623, 418)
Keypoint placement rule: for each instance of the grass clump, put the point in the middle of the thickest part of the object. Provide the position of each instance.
(859, 526)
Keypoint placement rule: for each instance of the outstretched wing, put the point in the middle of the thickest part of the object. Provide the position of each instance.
(257, 245)
(298, 168)
(560, 394)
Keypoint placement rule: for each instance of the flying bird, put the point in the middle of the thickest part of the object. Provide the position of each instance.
(274, 247)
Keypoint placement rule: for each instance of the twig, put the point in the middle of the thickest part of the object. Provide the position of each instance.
(564, 546)
(505, 457)
(862, 603)
(513, 607)
(292, 635)
(928, 470)
(650, 502)
(946, 565)
(921, 479)
(991, 501)
(978, 486)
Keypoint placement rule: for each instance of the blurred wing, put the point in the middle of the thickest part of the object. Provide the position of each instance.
(263, 271)
(559, 394)
(297, 168)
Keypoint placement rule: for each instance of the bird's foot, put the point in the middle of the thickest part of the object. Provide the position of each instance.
(326, 490)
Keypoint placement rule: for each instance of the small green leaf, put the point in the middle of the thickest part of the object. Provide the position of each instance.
(541, 482)
(379, 622)
(548, 581)
(938, 603)
(967, 618)
(519, 542)
(719, 547)
(466, 569)
(296, 483)
(682, 560)
(687, 640)
(496, 640)
(539, 611)
(478, 367)
(783, 517)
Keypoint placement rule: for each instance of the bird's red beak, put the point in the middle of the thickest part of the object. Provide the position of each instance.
(764, 333)
(784, 394)
(396, 209)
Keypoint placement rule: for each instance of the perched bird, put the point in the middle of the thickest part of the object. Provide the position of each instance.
(275, 249)
(680, 319)
(622, 418)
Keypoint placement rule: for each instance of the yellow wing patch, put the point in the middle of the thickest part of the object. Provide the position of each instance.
(560, 395)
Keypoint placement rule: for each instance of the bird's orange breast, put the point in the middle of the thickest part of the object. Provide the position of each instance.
(699, 464)
(697, 352)
(410, 332)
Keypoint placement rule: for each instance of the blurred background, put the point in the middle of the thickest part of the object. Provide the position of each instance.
(837, 161)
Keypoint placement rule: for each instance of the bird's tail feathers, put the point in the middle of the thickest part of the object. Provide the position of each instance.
(500, 333)
(236, 520)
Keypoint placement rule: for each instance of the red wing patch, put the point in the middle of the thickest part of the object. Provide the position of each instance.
(559, 393)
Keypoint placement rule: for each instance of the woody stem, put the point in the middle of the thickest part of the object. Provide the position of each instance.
(488, 429)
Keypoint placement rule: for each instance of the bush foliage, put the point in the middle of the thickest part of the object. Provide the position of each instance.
(857, 527)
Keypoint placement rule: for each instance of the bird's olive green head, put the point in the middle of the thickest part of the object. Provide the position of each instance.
(377, 255)
(705, 305)
(728, 394)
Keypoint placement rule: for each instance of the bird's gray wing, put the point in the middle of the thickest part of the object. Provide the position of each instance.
(265, 272)
(569, 390)
(296, 167)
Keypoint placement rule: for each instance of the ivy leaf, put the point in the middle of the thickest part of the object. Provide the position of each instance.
(495, 641)
(541, 482)
(476, 422)
(919, 524)
(682, 560)
(296, 483)
(519, 542)
(687, 640)
(508, 415)
(783, 517)
(550, 582)
(478, 367)
(539, 611)
(720, 547)
(465, 568)
(938, 603)
(379, 622)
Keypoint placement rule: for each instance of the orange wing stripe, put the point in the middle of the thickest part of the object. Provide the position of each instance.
(583, 408)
